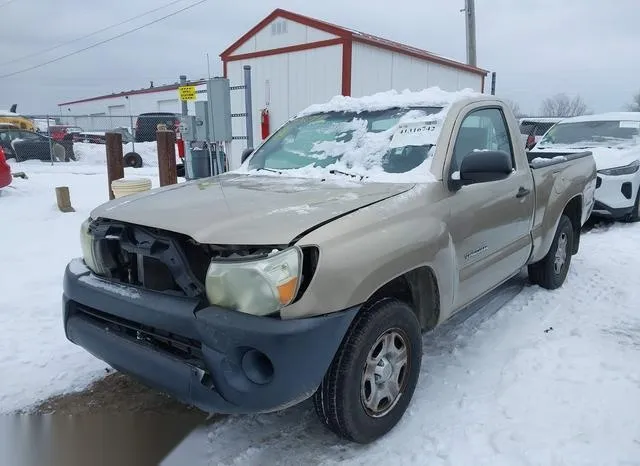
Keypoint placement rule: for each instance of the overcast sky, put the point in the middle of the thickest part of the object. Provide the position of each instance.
(537, 47)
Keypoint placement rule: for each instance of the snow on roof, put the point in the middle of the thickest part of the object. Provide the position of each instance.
(431, 97)
(610, 116)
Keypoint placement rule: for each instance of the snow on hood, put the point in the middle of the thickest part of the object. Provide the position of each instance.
(431, 97)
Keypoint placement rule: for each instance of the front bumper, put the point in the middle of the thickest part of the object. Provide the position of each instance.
(216, 359)
(616, 195)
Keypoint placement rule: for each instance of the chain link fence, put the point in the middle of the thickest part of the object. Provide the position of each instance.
(58, 138)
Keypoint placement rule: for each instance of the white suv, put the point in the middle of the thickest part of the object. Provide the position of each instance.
(614, 140)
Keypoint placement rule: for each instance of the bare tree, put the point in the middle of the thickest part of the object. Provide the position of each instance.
(634, 106)
(561, 105)
(515, 107)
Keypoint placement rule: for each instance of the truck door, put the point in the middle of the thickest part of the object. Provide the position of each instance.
(490, 222)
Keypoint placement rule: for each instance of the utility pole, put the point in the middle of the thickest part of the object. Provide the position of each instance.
(470, 23)
(183, 82)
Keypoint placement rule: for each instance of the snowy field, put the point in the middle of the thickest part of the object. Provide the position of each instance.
(551, 378)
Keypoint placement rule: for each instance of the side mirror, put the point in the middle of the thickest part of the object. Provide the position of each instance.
(484, 166)
(246, 153)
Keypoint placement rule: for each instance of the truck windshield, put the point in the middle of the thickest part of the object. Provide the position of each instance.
(593, 133)
(393, 140)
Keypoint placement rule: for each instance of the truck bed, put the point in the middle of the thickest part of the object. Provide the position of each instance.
(545, 159)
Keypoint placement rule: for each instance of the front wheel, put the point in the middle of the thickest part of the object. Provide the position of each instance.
(551, 271)
(373, 376)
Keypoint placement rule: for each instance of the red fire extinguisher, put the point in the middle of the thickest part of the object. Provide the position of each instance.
(264, 123)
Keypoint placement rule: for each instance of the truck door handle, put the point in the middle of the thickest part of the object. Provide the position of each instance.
(522, 192)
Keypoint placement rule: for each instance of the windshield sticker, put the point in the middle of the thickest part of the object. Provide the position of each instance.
(630, 124)
(415, 133)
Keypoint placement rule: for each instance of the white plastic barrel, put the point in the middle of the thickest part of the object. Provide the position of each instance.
(126, 186)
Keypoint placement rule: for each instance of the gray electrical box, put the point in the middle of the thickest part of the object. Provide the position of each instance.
(219, 98)
(188, 127)
(204, 131)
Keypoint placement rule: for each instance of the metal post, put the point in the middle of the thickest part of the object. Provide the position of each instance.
(493, 83)
(470, 22)
(248, 104)
(185, 109)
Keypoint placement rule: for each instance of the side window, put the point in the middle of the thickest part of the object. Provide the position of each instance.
(483, 129)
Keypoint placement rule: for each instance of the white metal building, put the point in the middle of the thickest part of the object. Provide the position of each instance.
(113, 110)
(297, 61)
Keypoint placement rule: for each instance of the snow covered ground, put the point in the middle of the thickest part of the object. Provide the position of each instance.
(36, 242)
(551, 378)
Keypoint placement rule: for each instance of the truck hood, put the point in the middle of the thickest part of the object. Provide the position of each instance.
(246, 209)
(605, 157)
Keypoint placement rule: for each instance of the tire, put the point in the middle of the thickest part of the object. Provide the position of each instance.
(551, 271)
(133, 160)
(345, 401)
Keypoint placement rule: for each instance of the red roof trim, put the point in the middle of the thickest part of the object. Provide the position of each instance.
(280, 13)
(149, 90)
(346, 34)
(288, 49)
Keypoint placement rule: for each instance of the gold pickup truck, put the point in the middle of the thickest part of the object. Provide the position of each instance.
(314, 269)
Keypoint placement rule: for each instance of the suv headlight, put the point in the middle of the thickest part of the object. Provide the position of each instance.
(625, 170)
(259, 287)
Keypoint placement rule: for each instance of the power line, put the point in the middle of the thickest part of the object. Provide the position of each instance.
(102, 41)
(88, 35)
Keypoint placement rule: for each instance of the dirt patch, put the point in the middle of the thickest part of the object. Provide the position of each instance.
(116, 393)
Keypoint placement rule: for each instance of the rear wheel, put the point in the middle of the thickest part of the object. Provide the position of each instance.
(373, 376)
(551, 271)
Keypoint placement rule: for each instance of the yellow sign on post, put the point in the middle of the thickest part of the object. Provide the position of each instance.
(187, 92)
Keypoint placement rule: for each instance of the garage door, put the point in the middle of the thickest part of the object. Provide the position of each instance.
(170, 105)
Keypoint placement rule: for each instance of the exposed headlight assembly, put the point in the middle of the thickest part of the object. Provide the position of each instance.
(260, 287)
(625, 170)
(88, 244)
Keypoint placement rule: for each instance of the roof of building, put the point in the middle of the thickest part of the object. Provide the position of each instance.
(146, 90)
(349, 35)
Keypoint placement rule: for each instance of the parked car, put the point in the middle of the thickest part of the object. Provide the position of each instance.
(147, 125)
(313, 269)
(532, 129)
(614, 140)
(62, 132)
(100, 137)
(5, 170)
(27, 145)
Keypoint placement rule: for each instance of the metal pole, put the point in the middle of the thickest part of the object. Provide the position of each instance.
(185, 109)
(248, 105)
(493, 83)
(470, 22)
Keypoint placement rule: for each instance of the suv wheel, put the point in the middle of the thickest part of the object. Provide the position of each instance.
(551, 271)
(374, 373)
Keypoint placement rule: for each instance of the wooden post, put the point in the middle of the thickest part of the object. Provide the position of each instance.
(64, 199)
(115, 166)
(167, 157)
